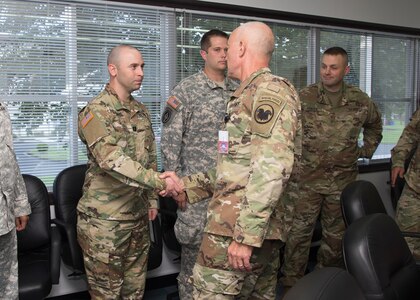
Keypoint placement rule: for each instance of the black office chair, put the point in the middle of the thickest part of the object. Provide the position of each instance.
(67, 190)
(168, 208)
(377, 256)
(38, 245)
(326, 284)
(360, 198)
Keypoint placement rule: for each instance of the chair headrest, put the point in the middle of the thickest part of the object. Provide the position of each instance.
(358, 199)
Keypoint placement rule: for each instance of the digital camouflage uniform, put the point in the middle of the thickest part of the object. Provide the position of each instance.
(264, 139)
(13, 203)
(408, 207)
(192, 118)
(119, 188)
(329, 158)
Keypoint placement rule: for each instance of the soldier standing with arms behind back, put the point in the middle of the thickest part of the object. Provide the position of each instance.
(408, 207)
(121, 181)
(193, 115)
(333, 115)
(14, 209)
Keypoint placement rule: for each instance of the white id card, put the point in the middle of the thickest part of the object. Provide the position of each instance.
(223, 143)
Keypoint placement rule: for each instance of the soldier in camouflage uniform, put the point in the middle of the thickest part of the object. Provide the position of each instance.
(408, 207)
(193, 115)
(247, 219)
(333, 116)
(14, 209)
(119, 190)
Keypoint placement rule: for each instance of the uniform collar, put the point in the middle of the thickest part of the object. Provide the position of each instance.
(115, 100)
(248, 81)
(213, 85)
(322, 94)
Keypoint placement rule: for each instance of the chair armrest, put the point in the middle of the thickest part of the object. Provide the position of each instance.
(55, 255)
(410, 234)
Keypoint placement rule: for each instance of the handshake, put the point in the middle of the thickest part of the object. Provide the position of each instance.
(175, 188)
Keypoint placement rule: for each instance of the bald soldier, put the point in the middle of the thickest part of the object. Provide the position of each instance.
(192, 118)
(119, 191)
(239, 254)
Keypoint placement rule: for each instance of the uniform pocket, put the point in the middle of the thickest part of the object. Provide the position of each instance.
(218, 281)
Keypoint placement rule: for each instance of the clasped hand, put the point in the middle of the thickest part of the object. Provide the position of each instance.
(174, 188)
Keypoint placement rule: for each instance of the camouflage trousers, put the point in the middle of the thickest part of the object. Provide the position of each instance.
(307, 210)
(408, 217)
(115, 256)
(214, 279)
(188, 230)
(9, 289)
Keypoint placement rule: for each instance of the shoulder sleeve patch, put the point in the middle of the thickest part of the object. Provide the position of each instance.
(93, 128)
(174, 103)
(168, 115)
(266, 112)
(86, 119)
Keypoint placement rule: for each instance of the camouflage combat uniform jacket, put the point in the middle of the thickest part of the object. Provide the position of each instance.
(192, 118)
(121, 177)
(330, 136)
(264, 137)
(409, 140)
(13, 198)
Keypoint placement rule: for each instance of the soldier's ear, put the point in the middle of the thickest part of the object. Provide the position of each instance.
(112, 69)
(241, 49)
(203, 54)
(346, 70)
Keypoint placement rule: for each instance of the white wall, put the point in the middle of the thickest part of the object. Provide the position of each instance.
(403, 13)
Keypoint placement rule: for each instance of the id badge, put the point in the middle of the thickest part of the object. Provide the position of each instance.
(223, 143)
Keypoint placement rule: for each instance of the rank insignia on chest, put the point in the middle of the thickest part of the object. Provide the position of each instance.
(174, 103)
(86, 119)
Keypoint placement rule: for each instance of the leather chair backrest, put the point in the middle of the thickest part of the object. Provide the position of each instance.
(168, 208)
(328, 283)
(378, 257)
(37, 233)
(358, 199)
(67, 190)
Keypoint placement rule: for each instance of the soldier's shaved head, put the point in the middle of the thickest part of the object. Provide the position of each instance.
(115, 54)
(258, 36)
(250, 48)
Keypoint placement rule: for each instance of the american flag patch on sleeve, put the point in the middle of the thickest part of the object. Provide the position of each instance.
(173, 102)
(87, 119)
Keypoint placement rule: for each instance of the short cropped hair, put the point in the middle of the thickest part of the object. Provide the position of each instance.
(113, 55)
(205, 40)
(337, 51)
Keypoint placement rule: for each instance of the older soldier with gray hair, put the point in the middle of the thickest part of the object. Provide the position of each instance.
(14, 209)
(247, 217)
(121, 181)
(408, 207)
(193, 115)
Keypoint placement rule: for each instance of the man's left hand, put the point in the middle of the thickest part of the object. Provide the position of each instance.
(239, 256)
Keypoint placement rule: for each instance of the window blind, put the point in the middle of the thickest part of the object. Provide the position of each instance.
(53, 60)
